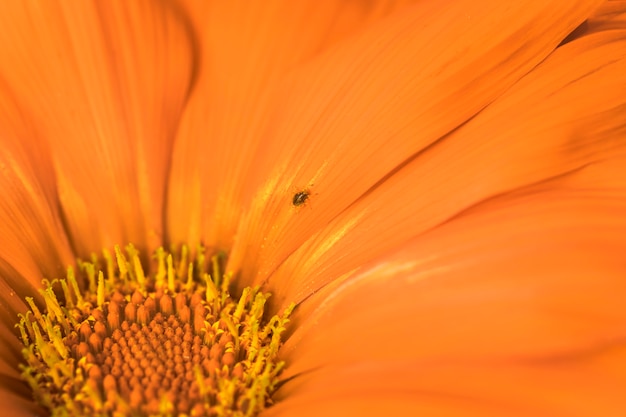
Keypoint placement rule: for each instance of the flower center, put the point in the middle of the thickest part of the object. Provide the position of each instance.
(174, 343)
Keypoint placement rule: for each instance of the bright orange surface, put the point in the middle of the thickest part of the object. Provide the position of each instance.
(462, 249)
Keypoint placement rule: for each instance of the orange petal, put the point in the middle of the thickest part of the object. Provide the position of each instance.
(10, 348)
(611, 15)
(579, 387)
(513, 308)
(105, 82)
(247, 48)
(15, 401)
(353, 116)
(33, 244)
(564, 115)
(11, 303)
(535, 274)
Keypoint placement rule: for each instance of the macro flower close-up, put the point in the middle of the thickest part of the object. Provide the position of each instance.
(301, 208)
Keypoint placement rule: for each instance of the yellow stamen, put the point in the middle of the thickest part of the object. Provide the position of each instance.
(171, 343)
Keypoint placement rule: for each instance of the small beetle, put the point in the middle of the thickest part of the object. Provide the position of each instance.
(300, 198)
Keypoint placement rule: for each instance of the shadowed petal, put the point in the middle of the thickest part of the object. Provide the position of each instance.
(105, 83)
(611, 15)
(15, 404)
(11, 346)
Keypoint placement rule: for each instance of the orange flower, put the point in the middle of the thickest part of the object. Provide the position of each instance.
(461, 248)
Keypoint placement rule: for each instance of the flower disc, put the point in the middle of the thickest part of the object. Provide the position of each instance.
(175, 343)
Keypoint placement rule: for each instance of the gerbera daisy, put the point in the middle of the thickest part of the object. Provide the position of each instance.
(437, 186)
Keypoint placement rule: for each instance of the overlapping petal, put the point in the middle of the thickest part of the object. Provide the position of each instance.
(513, 307)
(565, 114)
(353, 116)
(611, 15)
(461, 251)
(246, 48)
(17, 404)
(33, 243)
(463, 389)
(105, 83)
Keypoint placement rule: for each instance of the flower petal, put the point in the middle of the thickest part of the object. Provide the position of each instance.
(561, 233)
(247, 48)
(34, 244)
(355, 115)
(105, 82)
(11, 347)
(16, 404)
(516, 305)
(564, 115)
(611, 15)
(459, 389)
